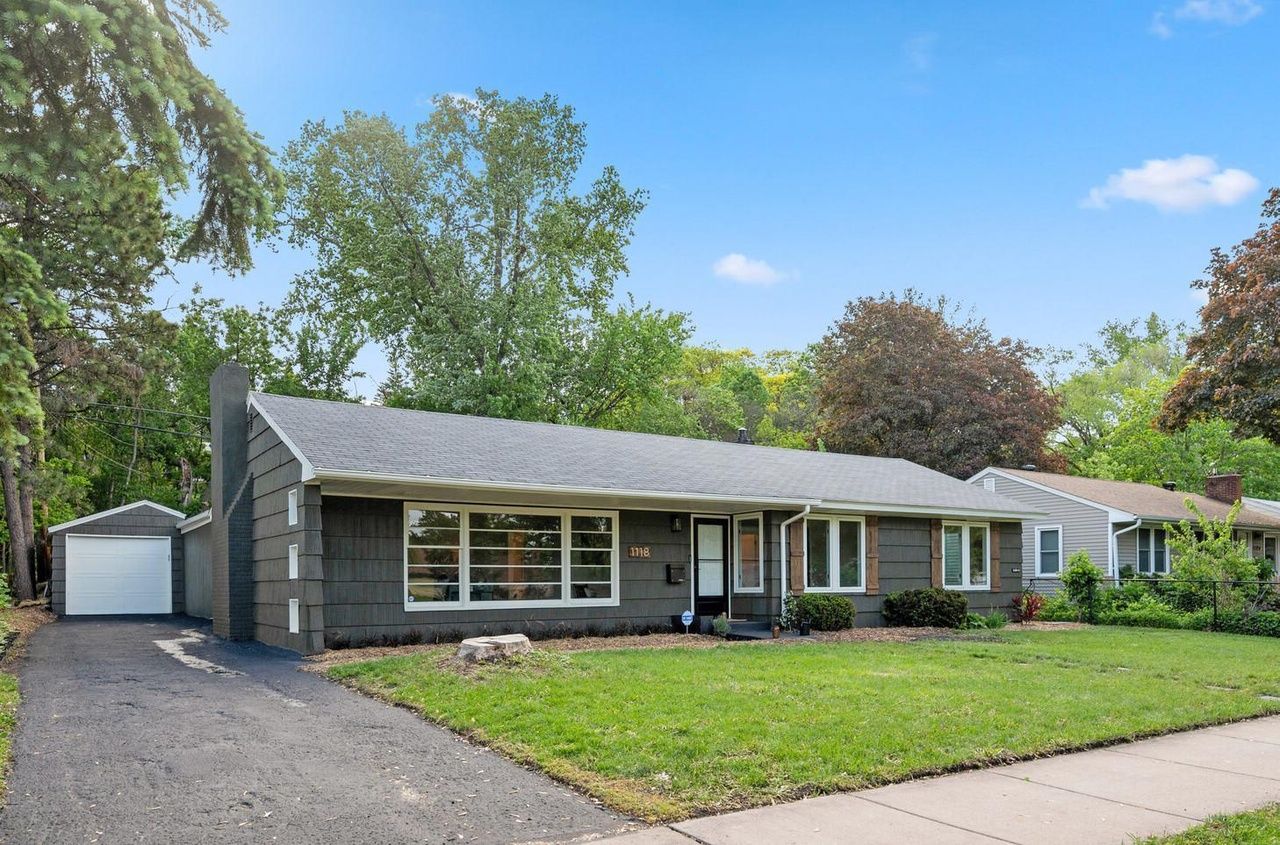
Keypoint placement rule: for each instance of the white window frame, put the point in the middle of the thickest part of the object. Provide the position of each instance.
(737, 553)
(293, 561)
(1150, 534)
(833, 552)
(464, 558)
(989, 484)
(293, 506)
(1061, 558)
(965, 585)
(295, 613)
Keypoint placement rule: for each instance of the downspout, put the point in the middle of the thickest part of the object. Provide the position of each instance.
(1115, 549)
(786, 558)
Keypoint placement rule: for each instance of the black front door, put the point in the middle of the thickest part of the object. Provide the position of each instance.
(710, 566)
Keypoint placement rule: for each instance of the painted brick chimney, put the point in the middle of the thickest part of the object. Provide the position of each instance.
(1227, 487)
(231, 549)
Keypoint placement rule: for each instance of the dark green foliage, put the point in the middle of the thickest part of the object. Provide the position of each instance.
(1080, 580)
(1264, 623)
(926, 608)
(822, 611)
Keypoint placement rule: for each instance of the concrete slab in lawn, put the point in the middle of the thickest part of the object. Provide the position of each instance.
(1020, 811)
(1212, 750)
(1175, 788)
(834, 818)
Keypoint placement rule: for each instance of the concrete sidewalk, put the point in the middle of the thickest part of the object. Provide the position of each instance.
(1105, 796)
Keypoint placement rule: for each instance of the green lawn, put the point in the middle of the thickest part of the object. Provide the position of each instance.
(669, 733)
(1261, 827)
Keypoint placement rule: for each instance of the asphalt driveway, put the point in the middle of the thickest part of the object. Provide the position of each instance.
(121, 739)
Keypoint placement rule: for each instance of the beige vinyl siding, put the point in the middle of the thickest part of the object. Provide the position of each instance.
(1083, 526)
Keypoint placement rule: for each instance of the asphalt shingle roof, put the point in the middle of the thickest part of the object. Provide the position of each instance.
(1144, 500)
(343, 438)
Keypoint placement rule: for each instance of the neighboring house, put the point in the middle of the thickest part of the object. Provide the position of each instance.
(336, 524)
(1119, 523)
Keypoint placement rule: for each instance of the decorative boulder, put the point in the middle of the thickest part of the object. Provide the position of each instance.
(490, 648)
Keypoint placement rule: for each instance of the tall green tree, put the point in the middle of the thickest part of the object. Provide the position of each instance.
(1235, 354)
(904, 377)
(466, 250)
(1133, 448)
(103, 118)
(1127, 357)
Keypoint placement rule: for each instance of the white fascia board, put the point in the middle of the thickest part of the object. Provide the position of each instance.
(123, 508)
(308, 471)
(191, 523)
(1112, 513)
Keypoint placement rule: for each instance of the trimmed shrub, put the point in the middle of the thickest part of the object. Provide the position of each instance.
(1058, 609)
(1264, 623)
(823, 611)
(1147, 612)
(926, 608)
(993, 620)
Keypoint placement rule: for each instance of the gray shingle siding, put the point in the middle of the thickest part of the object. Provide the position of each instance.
(274, 472)
(142, 521)
(1083, 526)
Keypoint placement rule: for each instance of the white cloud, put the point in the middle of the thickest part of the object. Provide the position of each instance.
(1220, 12)
(1185, 183)
(749, 271)
(428, 100)
(918, 51)
(1228, 12)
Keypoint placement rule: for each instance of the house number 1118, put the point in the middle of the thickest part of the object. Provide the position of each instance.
(638, 551)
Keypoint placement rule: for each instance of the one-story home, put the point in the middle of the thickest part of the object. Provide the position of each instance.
(1119, 523)
(336, 523)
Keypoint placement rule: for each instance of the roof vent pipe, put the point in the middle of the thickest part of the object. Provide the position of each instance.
(742, 436)
(1029, 467)
(1170, 485)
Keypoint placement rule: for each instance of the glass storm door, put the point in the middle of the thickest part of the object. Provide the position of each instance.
(711, 558)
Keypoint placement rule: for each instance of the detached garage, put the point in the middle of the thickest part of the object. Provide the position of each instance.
(127, 560)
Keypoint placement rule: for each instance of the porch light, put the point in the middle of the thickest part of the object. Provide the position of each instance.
(677, 523)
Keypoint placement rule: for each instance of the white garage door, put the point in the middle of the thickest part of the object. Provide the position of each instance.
(118, 575)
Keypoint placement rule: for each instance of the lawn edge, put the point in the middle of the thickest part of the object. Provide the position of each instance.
(638, 800)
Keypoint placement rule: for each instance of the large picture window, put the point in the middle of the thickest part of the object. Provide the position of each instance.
(487, 557)
(966, 555)
(748, 568)
(835, 558)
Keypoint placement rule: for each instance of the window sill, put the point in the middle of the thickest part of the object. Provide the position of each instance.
(980, 588)
(749, 592)
(857, 591)
(415, 606)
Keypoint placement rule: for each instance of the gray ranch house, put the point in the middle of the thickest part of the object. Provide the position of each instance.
(1119, 523)
(339, 524)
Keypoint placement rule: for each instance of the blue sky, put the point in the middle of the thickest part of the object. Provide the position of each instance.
(1052, 166)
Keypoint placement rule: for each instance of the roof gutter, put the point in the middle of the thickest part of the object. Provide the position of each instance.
(786, 558)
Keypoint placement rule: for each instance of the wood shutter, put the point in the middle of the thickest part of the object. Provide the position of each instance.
(873, 555)
(795, 555)
(935, 551)
(994, 539)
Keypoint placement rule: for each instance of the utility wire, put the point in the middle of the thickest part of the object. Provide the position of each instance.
(147, 410)
(144, 427)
